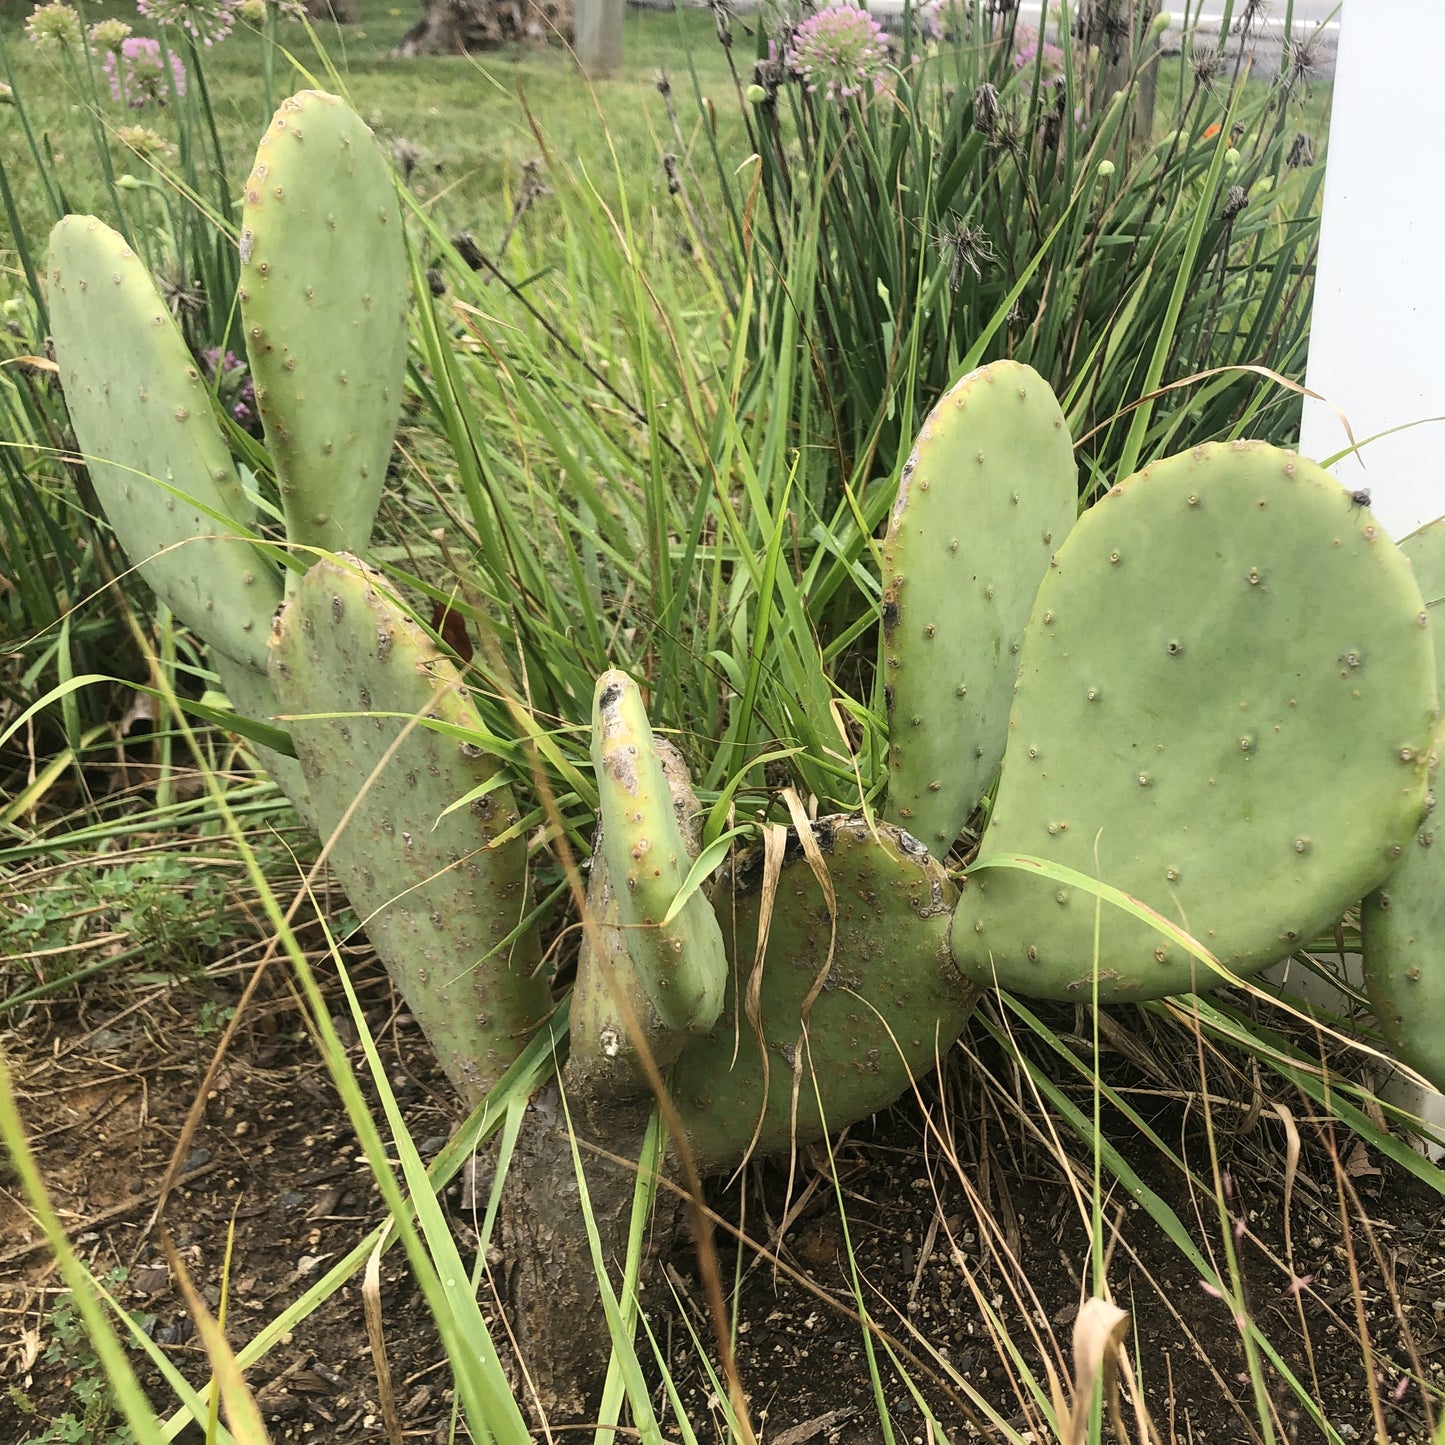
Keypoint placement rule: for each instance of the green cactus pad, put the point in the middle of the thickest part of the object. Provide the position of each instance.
(1402, 927)
(323, 297)
(1225, 707)
(987, 497)
(890, 957)
(604, 1055)
(144, 421)
(682, 964)
(1403, 921)
(250, 695)
(436, 896)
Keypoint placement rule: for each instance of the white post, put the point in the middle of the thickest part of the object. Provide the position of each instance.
(1379, 311)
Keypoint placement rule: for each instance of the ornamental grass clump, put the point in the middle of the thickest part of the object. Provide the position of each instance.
(1011, 201)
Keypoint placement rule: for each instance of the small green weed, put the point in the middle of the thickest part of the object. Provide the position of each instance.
(94, 1420)
(161, 909)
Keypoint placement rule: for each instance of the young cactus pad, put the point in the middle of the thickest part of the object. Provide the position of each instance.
(986, 498)
(1225, 706)
(1403, 921)
(323, 299)
(439, 896)
(681, 963)
(143, 420)
(605, 1056)
(890, 1001)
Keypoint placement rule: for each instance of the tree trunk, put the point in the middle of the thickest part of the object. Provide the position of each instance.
(454, 27)
(337, 12)
(553, 1304)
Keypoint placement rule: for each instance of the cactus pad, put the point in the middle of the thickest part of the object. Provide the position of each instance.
(1403, 921)
(890, 958)
(249, 693)
(323, 297)
(604, 1057)
(681, 964)
(438, 895)
(987, 497)
(1225, 706)
(143, 418)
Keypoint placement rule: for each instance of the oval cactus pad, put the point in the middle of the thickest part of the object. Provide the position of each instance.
(986, 498)
(143, 419)
(324, 293)
(1225, 708)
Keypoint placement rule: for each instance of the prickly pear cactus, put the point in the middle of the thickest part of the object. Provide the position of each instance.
(439, 896)
(866, 1008)
(681, 964)
(323, 300)
(143, 418)
(987, 497)
(1403, 921)
(1225, 709)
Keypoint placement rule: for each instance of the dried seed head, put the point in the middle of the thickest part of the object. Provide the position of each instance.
(1205, 62)
(1250, 15)
(1234, 203)
(1299, 64)
(405, 156)
(986, 110)
(964, 247)
(1301, 152)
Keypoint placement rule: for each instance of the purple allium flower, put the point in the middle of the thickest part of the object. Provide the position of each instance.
(840, 51)
(204, 20)
(1027, 41)
(137, 73)
(234, 387)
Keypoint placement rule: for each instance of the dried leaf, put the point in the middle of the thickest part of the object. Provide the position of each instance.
(1358, 1165)
(1098, 1332)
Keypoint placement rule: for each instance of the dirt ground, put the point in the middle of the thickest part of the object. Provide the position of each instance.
(957, 1205)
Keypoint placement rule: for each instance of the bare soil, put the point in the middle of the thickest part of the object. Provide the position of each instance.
(957, 1206)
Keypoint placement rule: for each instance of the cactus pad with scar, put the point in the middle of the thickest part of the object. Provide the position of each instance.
(681, 963)
(440, 896)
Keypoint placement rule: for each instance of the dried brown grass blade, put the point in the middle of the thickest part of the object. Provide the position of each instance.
(243, 1415)
(371, 1300)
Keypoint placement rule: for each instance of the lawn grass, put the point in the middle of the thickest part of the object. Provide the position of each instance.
(470, 118)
